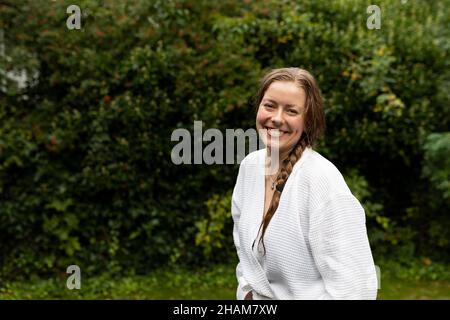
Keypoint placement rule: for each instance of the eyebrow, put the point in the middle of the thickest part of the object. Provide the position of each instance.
(288, 105)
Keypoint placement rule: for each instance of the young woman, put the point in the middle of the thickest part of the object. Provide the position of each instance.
(299, 233)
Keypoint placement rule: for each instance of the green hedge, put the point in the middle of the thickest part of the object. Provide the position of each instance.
(85, 170)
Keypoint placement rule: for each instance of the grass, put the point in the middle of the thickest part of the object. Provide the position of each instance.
(219, 283)
(176, 283)
(403, 289)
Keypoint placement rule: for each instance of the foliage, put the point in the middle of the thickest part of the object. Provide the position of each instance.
(437, 163)
(379, 225)
(436, 169)
(212, 232)
(166, 283)
(85, 154)
(422, 281)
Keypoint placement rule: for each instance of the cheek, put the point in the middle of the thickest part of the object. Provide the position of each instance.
(298, 130)
(261, 117)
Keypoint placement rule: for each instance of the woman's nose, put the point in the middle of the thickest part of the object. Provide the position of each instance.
(277, 117)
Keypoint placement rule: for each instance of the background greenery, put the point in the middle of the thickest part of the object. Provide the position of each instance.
(86, 175)
(214, 282)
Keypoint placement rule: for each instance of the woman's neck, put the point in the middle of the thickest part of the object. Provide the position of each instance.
(281, 156)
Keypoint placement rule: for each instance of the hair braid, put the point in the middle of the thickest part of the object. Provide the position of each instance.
(286, 170)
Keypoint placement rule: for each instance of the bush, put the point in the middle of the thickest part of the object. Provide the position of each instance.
(213, 232)
(436, 170)
(85, 168)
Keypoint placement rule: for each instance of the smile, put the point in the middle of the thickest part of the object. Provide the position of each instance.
(276, 133)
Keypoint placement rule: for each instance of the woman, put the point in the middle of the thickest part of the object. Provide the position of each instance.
(299, 233)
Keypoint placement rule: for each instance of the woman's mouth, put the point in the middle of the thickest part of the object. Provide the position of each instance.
(276, 133)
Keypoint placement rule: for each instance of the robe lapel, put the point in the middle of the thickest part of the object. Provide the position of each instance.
(264, 285)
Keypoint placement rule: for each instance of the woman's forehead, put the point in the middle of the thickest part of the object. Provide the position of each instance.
(285, 93)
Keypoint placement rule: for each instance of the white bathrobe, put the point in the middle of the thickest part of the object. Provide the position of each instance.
(316, 243)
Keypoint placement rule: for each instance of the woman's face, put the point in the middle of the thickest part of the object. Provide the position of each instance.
(281, 114)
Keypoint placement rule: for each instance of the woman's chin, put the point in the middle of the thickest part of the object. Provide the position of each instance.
(275, 147)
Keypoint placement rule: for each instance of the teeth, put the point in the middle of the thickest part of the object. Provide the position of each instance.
(275, 132)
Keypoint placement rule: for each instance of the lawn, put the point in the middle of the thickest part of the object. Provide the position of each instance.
(178, 283)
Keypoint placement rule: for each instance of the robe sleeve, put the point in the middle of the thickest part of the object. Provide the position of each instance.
(341, 250)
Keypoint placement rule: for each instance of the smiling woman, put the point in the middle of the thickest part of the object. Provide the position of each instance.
(299, 234)
(281, 113)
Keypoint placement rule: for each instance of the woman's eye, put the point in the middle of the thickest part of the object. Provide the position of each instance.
(268, 105)
(293, 111)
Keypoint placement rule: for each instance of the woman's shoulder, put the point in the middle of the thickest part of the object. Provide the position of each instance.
(323, 173)
(254, 158)
(250, 163)
(320, 164)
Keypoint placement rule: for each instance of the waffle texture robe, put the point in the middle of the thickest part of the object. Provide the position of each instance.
(316, 243)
